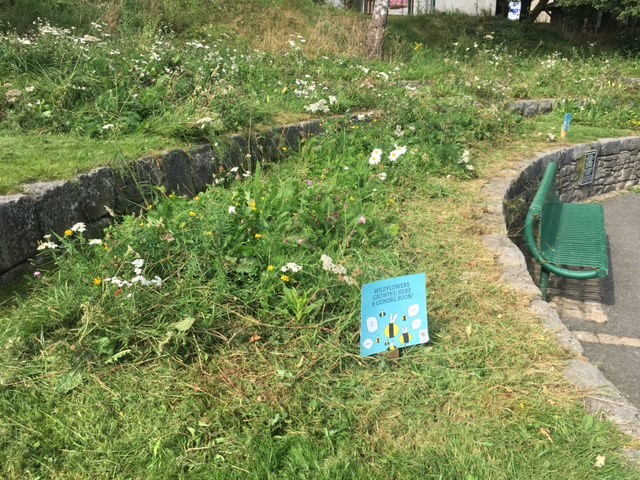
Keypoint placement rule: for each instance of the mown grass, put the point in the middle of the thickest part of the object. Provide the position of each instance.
(231, 367)
(30, 157)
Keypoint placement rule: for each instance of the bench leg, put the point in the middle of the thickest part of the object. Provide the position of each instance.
(544, 282)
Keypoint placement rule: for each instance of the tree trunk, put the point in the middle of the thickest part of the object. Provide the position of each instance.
(377, 29)
(525, 6)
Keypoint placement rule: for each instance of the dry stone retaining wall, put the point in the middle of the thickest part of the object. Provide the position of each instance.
(617, 168)
(52, 207)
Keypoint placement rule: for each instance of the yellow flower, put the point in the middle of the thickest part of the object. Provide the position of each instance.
(192, 213)
(68, 233)
(253, 206)
(284, 149)
(97, 282)
(258, 236)
(209, 233)
(284, 278)
(418, 46)
(149, 207)
(196, 198)
(271, 268)
(172, 195)
(284, 90)
(106, 247)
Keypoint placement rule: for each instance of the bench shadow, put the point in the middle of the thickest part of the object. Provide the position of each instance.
(600, 290)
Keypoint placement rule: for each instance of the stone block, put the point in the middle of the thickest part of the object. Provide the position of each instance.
(57, 205)
(516, 107)
(19, 230)
(530, 109)
(626, 174)
(97, 190)
(310, 128)
(202, 164)
(608, 146)
(546, 105)
(237, 153)
(290, 137)
(176, 173)
(579, 151)
(270, 145)
(565, 157)
(135, 185)
(631, 144)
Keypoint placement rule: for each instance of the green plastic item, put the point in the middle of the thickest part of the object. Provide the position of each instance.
(567, 239)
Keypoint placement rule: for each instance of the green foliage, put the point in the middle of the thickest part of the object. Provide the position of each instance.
(154, 83)
(216, 336)
(219, 333)
(622, 9)
(21, 14)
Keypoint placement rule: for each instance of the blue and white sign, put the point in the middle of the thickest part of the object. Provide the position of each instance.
(394, 314)
(514, 11)
(566, 124)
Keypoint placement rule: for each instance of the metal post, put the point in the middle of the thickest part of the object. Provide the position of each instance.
(544, 282)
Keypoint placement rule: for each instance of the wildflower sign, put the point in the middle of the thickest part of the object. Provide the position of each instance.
(394, 314)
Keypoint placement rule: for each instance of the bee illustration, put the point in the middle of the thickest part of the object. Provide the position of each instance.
(382, 314)
(405, 336)
(404, 317)
(377, 339)
(392, 329)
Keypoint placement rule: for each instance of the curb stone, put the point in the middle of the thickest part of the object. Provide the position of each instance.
(600, 395)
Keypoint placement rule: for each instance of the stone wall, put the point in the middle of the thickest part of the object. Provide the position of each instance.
(617, 168)
(52, 207)
(531, 108)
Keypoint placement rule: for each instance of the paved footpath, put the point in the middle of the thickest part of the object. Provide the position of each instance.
(609, 329)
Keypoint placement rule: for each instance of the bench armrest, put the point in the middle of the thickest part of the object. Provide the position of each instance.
(535, 211)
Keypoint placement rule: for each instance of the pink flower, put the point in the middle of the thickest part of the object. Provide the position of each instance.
(300, 241)
(362, 220)
(37, 274)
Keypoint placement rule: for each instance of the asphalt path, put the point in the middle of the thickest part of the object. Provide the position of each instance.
(617, 349)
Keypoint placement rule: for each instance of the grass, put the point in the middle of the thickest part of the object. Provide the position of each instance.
(229, 366)
(28, 158)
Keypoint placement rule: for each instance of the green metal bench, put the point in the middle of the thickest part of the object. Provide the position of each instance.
(567, 239)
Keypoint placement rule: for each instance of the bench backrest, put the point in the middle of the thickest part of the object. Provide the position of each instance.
(544, 213)
(543, 209)
(546, 194)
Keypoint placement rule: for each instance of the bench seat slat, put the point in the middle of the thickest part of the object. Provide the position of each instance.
(574, 235)
(567, 239)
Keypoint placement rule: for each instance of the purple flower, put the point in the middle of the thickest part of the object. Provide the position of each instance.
(37, 274)
(309, 183)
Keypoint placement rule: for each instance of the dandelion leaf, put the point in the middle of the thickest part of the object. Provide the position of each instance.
(68, 381)
(183, 325)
